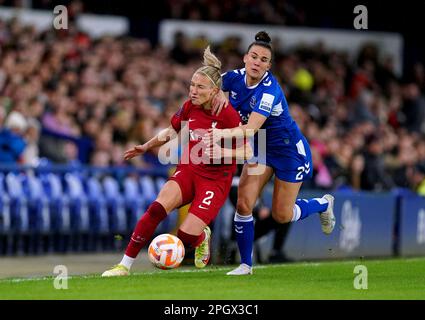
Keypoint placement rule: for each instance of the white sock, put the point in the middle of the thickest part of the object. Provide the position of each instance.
(296, 213)
(241, 218)
(127, 261)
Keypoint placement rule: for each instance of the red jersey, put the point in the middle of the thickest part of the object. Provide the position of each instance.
(199, 121)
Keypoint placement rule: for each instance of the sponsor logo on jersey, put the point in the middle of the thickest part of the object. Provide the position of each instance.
(266, 102)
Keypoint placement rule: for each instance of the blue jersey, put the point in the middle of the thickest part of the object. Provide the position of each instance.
(286, 148)
(266, 98)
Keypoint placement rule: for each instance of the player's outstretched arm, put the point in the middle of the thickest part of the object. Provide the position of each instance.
(242, 152)
(255, 122)
(161, 138)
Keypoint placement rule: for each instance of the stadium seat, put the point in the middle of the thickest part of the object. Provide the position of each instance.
(59, 202)
(38, 212)
(59, 209)
(19, 219)
(4, 208)
(79, 210)
(38, 204)
(5, 223)
(116, 207)
(148, 188)
(134, 202)
(159, 181)
(78, 200)
(99, 220)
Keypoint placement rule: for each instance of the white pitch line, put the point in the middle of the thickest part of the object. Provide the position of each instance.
(155, 272)
(303, 264)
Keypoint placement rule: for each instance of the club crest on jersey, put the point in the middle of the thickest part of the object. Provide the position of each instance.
(252, 102)
(213, 124)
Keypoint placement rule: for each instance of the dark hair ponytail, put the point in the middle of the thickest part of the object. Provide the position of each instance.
(262, 39)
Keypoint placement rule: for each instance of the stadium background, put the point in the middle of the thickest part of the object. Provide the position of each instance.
(83, 100)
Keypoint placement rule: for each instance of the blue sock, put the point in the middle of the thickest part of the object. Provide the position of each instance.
(304, 208)
(244, 228)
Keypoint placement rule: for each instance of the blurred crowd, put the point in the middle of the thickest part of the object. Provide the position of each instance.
(76, 100)
(288, 12)
(243, 11)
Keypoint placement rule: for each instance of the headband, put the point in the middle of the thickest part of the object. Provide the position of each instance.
(203, 72)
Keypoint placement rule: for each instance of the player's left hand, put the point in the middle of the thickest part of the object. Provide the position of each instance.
(218, 103)
(212, 136)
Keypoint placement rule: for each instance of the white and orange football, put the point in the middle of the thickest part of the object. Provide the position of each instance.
(166, 251)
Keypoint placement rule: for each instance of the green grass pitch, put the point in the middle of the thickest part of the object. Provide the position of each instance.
(386, 279)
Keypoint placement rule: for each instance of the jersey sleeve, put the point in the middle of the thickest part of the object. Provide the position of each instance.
(228, 79)
(265, 102)
(179, 117)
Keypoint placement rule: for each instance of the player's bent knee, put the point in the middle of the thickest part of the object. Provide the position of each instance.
(282, 216)
(243, 207)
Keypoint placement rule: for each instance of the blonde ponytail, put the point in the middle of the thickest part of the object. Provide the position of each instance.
(211, 68)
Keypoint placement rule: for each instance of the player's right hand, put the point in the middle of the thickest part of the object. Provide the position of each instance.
(212, 136)
(135, 151)
(214, 152)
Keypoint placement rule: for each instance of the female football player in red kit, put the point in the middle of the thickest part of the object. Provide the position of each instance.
(197, 180)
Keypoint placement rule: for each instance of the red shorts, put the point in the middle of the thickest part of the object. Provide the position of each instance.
(206, 195)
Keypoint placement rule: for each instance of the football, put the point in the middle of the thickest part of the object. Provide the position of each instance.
(166, 251)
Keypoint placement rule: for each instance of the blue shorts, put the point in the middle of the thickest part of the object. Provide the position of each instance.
(290, 160)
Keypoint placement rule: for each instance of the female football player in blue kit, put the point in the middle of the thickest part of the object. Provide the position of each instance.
(256, 94)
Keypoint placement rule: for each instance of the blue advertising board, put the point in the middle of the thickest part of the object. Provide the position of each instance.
(364, 228)
(412, 226)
